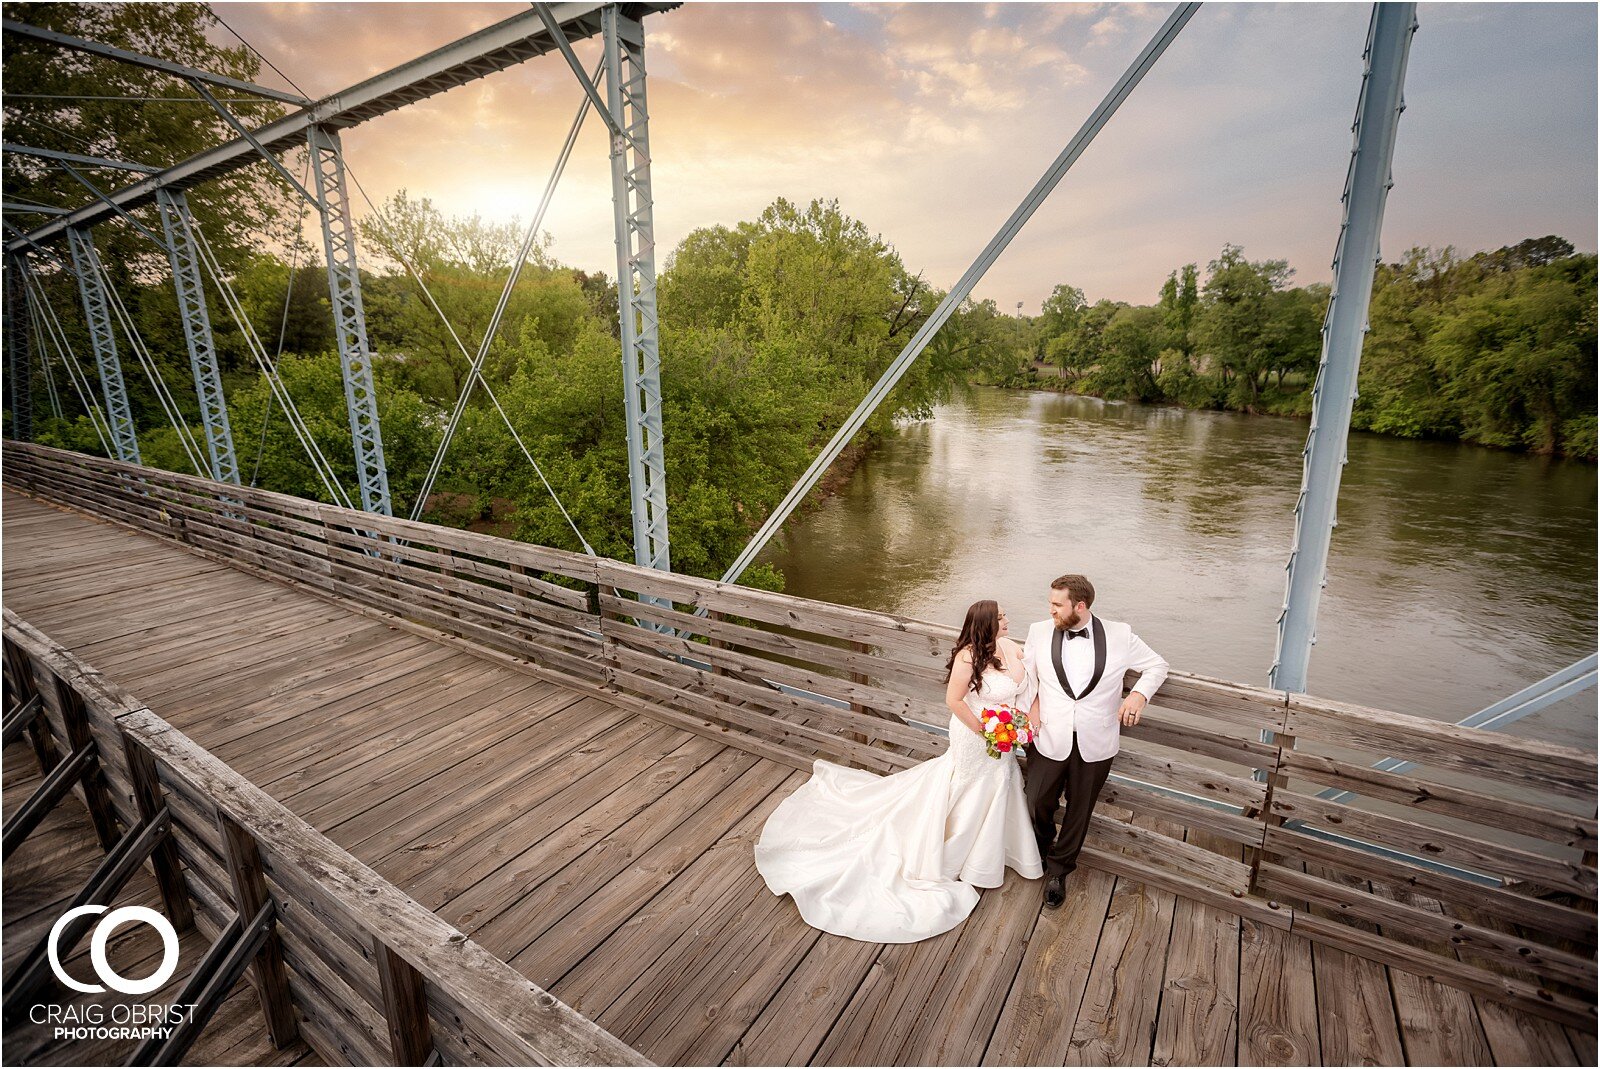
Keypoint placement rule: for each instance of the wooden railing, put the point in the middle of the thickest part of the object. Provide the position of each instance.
(361, 972)
(1477, 868)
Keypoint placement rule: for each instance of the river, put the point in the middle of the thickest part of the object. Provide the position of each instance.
(1458, 574)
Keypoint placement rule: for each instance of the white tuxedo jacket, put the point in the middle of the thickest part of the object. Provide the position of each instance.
(1093, 715)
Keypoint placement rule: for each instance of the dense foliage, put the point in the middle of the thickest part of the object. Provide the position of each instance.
(1496, 348)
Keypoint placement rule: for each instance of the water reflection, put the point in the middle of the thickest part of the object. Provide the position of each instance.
(1457, 576)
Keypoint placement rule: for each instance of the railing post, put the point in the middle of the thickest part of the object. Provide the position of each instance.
(1275, 779)
(96, 797)
(405, 1007)
(169, 868)
(267, 973)
(44, 744)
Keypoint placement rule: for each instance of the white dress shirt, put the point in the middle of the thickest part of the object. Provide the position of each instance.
(1092, 718)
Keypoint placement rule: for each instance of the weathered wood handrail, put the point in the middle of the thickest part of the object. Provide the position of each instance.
(1490, 831)
(362, 972)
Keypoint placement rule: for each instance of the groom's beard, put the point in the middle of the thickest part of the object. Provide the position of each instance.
(1069, 623)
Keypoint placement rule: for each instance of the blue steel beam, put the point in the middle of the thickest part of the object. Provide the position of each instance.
(634, 212)
(1343, 332)
(97, 313)
(349, 317)
(73, 157)
(185, 259)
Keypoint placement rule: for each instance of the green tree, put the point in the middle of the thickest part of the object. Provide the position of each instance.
(1232, 324)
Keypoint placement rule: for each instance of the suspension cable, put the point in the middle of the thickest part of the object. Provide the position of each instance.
(75, 374)
(235, 309)
(283, 320)
(157, 381)
(476, 372)
(39, 330)
(489, 390)
(80, 385)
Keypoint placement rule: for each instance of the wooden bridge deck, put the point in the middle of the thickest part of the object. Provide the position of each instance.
(607, 856)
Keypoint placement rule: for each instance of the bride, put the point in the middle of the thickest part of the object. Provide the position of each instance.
(895, 859)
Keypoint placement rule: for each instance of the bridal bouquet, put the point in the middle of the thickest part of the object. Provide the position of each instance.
(1004, 729)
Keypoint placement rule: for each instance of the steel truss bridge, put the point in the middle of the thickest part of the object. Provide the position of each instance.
(781, 680)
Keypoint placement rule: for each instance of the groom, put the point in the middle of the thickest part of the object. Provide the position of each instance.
(1075, 665)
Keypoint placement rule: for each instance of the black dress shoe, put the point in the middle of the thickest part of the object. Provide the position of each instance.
(1054, 893)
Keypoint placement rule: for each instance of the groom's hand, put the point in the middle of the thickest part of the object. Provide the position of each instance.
(1132, 705)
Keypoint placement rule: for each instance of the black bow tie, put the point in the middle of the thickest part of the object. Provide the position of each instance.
(1078, 634)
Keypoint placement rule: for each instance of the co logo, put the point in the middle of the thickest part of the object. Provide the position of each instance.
(113, 920)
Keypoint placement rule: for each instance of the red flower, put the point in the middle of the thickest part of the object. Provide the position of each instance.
(1003, 747)
(1005, 716)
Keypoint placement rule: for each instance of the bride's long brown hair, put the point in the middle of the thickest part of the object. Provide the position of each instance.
(980, 632)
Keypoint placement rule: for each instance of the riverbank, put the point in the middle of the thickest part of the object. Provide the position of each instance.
(1580, 437)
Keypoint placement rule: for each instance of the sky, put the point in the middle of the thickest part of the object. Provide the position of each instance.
(930, 122)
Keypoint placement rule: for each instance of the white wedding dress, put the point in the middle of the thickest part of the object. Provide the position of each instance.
(895, 859)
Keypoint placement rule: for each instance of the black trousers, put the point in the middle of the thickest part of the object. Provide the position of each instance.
(1048, 779)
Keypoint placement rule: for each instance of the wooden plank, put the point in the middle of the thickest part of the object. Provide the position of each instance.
(756, 670)
(1254, 708)
(1537, 821)
(930, 641)
(913, 675)
(405, 743)
(164, 859)
(723, 785)
(1552, 917)
(1497, 859)
(1197, 1023)
(564, 838)
(697, 692)
(879, 1018)
(479, 841)
(693, 1001)
(1178, 859)
(1221, 823)
(651, 882)
(1140, 761)
(325, 740)
(1523, 763)
(1277, 998)
(1116, 1021)
(1438, 1024)
(1515, 1037)
(965, 1006)
(1538, 1001)
(1407, 922)
(606, 940)
(1355, 1012)
(800, 1014)
(372, 831)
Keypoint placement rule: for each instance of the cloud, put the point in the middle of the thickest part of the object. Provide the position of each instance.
(930, 122)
